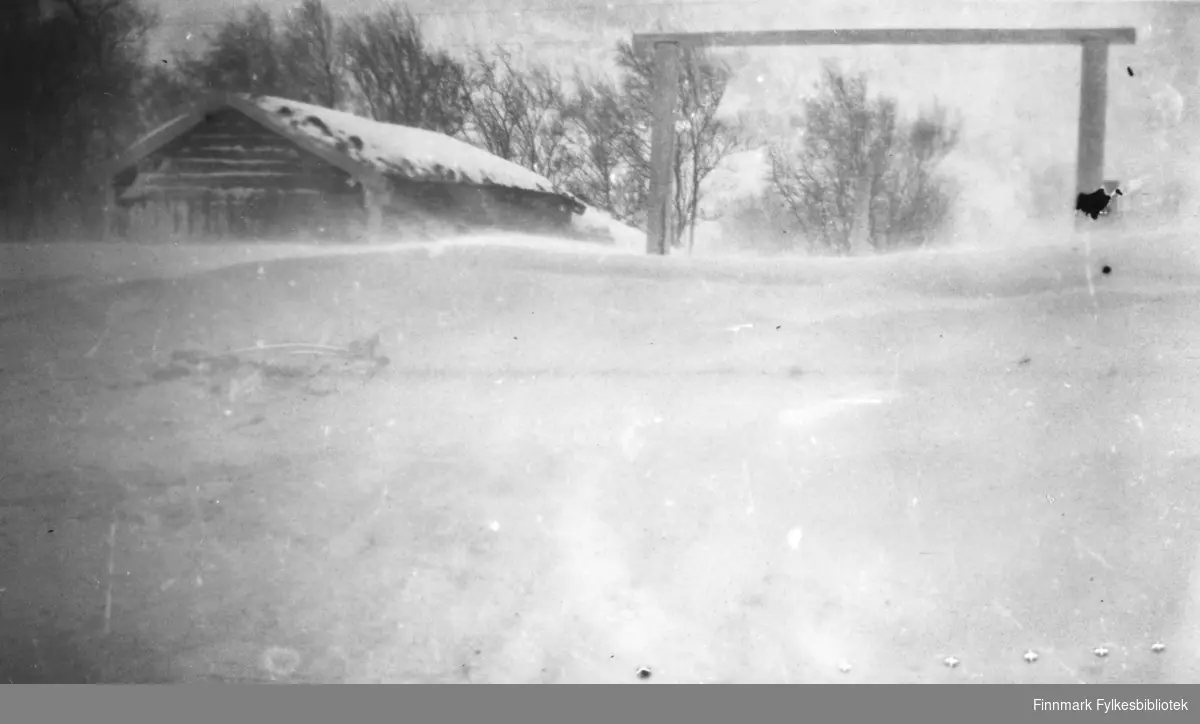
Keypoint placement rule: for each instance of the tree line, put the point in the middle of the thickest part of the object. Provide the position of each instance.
(92, 90)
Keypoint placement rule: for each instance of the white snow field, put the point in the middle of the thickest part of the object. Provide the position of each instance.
(578, 462)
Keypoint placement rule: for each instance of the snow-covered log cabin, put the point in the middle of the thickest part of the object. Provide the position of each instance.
(238, 167)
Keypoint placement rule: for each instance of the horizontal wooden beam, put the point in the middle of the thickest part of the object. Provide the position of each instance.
(243, 138)
(215, 196)
(195, 149)
(250, 182)
(211, 164)
(894, 36)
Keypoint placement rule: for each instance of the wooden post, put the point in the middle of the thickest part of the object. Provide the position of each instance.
(1093, 94)
(1093, 108)
(662, 142)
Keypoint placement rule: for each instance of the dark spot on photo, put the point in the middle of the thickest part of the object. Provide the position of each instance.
(1095, 204)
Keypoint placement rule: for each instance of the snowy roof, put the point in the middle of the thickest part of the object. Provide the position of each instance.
(412, 153)
(361, 146)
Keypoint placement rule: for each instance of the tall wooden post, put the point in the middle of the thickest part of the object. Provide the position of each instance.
(1092, 100)
(662, 142)
(1093, 108)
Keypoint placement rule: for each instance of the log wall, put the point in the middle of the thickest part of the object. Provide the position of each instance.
(477, 206)
(231, 178)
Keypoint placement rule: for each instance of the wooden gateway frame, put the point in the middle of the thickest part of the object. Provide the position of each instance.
(1093, 97)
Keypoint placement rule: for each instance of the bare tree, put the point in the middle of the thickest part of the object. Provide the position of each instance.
(400, 78)
(311, 55)
(164, 93)
(909, 200)
(496, 107)
(857, 171)
(707, 139)
(543, 129)
(701, 139)
(519, 115)
(69, 86)
(597, 122)
(243, 56)
(113, 47)
(821, 182)
(637, 91)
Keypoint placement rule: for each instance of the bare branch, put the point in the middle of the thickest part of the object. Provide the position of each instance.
(400, 79)
(854, 145)
(312, 57)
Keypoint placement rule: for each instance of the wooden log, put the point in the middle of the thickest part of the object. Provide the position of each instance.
(1093, 110)
(214, 164)
(662, 141)
(893, 36)
(219, 149)
(241, 140)
(149, 184)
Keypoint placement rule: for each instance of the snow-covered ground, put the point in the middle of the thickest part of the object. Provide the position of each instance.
(583, 462)
(595, 223)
